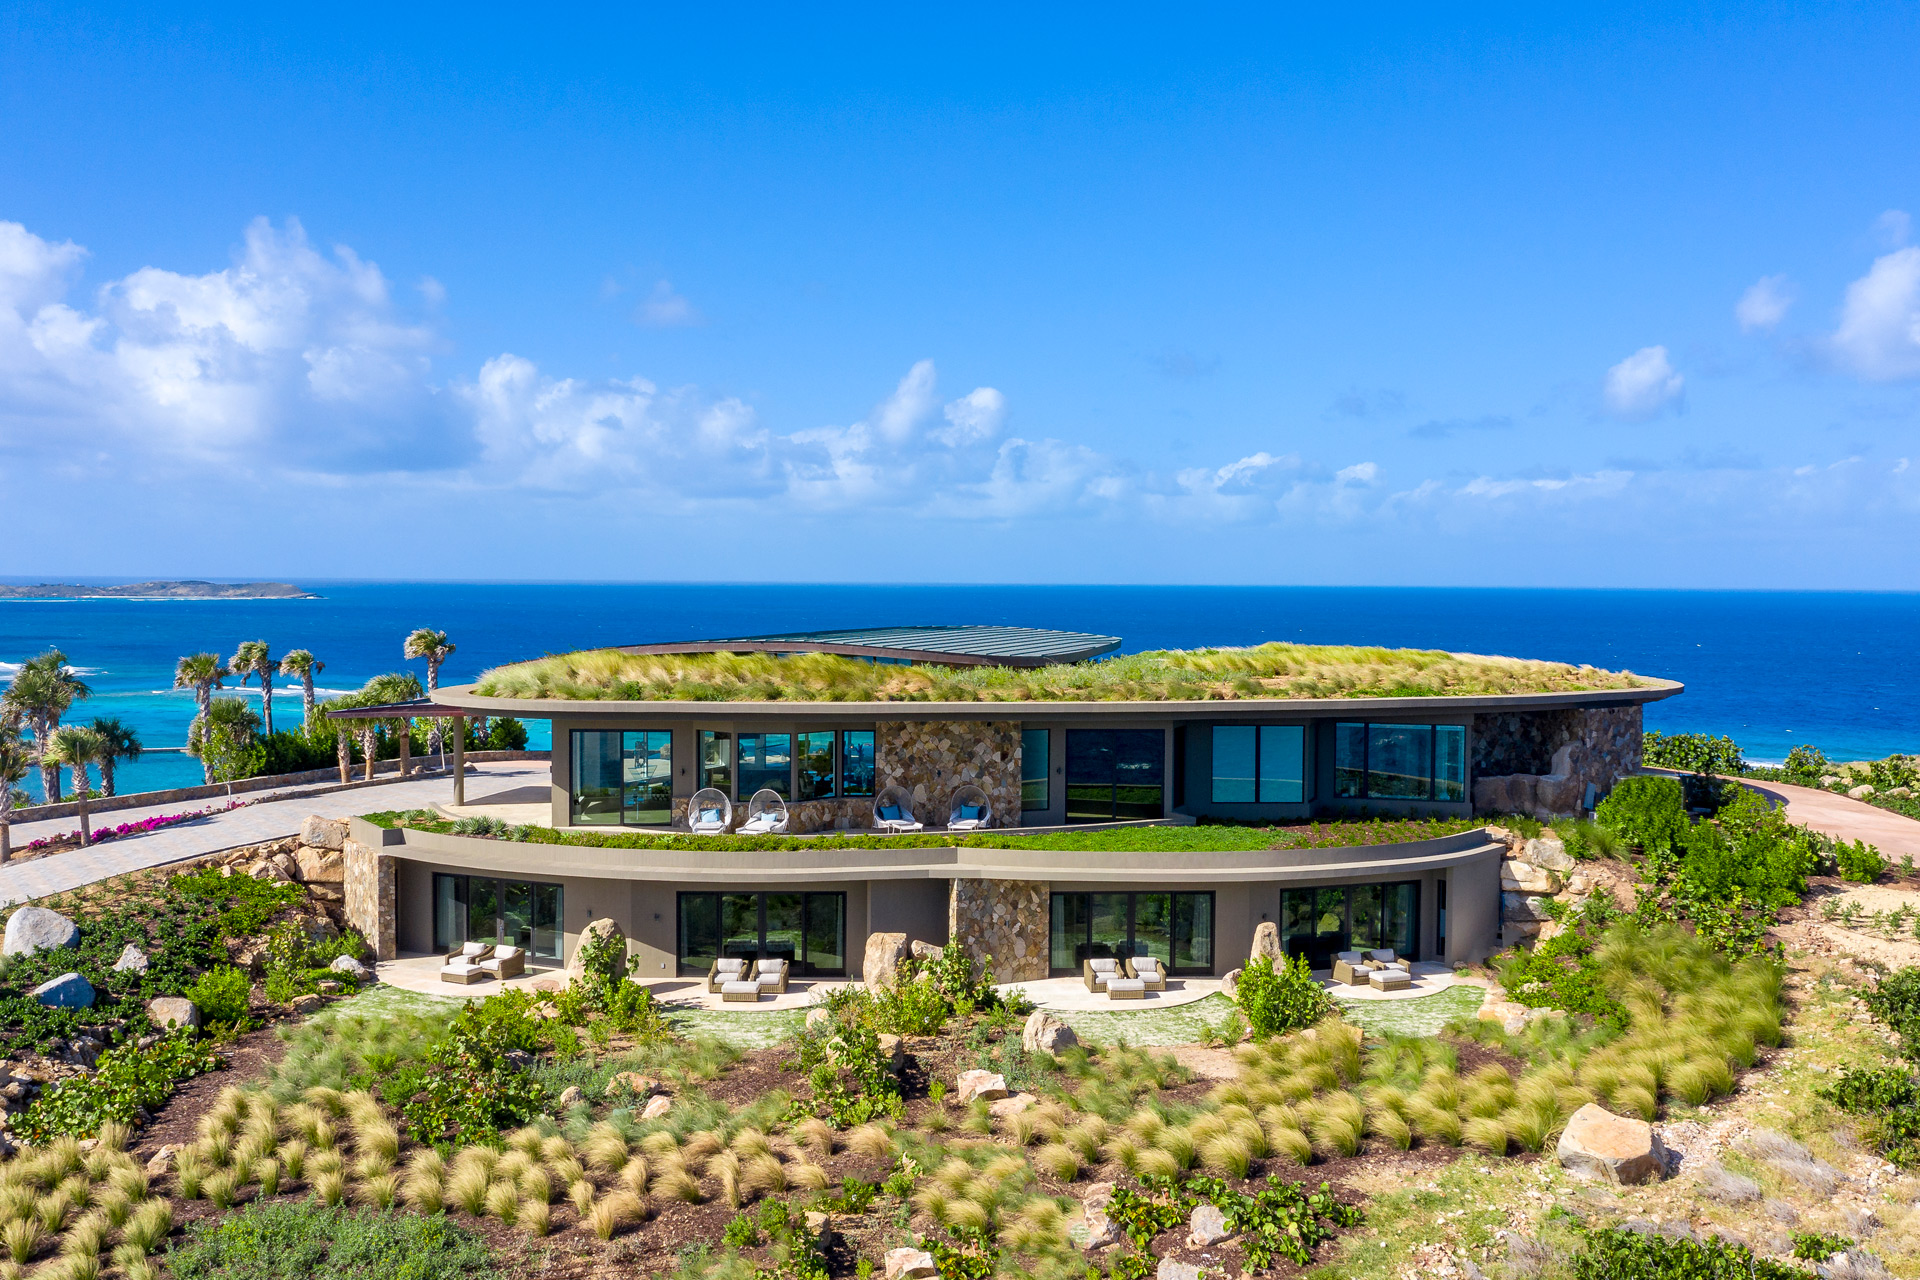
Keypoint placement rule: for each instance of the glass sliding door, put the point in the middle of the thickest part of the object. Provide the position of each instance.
(856, 762)
(808, 930)
(816, 766)
(1035, 770)
(765, 760)
(1450, 762)
(1400, 761)
(1115, 774)
(648, 778)
(1320, 922)
(517, 913)
(1175, 928)
(1233, 748)
(716, 760)
(1264, 763)
(596, 777)
(1350, 761)
(1283, 763)
(622, 778)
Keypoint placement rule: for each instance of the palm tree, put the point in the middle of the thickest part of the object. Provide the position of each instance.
(252, 660)
(202, 673)
(16, 761)
(122, 743)
(43, 691)
(229, 727)
(302, 665)
(436, 649)
(395, 686)
(77, 748)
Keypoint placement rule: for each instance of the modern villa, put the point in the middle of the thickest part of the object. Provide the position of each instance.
(973, 736)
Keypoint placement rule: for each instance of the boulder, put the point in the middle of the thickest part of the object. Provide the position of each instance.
(1548, 851)
(819, 1018)
(305, 1004)
(1230, 985)
(1008, 1108)
(328, 987)
(1045, 1033)
(162, 1160)
(288, 866)
(68, 991)
(907, 1263)
(1522, 907)
(351, 967)
(1862, 792)
(570, 1095)
(1171, 1270)
(633, 1082)
(820, 1228)
(1266, 942)
(589, 938)
(984, 1086)
(894, 1050)
(324, 833)
(1599, 1144)
(658, 1105)
(168, 1012)
(1207, 1227)
(132, 960)
(1097, 1230)
(320, 866)
(271, 870)
(881, 965)
(1525, 877)
(32, 929)
(923, 950)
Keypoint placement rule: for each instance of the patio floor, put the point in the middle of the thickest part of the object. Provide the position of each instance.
(692, 993)
(421, 974)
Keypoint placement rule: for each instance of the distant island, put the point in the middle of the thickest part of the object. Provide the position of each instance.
(188, 590)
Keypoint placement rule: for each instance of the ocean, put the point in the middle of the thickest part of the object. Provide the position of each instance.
(1773, 669)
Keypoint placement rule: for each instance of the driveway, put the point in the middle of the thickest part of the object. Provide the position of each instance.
(1846, 819)
(266, 819)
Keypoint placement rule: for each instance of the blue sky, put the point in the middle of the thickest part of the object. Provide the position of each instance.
(1516, 297)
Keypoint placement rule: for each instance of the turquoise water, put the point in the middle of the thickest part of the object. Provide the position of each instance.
(1773, 669)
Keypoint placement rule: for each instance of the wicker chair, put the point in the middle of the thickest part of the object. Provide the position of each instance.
(709, 813)
(735, 972)
(1148, 970)
(968, 809)
(893, 811)
(1097, 972)
(506, 962)
(464, 961)
(766, 814)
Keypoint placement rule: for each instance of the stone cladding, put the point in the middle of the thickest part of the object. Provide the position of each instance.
(851, 813)
(1005, 919)
(1541, 762)
(370, 897)
(934, 758)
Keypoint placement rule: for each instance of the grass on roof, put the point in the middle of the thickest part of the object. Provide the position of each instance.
(1265, 671)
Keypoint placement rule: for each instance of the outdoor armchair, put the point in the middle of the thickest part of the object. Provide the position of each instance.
(893, 811)
(968, 809)
(1099, 971)
(506, 962)
(766, 814)
(1149, 970)
(709, 813)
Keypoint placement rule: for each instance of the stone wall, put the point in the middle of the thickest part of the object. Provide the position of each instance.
(932, 759)
(852, 813)
(370, 897)
(1005, 919)
(1542, 762)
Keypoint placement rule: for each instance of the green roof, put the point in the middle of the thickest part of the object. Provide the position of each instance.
(973, 645)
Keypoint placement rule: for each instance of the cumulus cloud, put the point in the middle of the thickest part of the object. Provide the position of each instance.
(1764, 304)
(1642, 385)
(1879, 332)
(665, 309)
(973, 418)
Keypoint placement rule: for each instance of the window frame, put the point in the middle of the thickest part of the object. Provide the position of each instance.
(847, 791)
(1133, 910)
(803, 751)
(802, 965)
(1044, 781)
(1436, 732)
(461, 883)
(1257, 778)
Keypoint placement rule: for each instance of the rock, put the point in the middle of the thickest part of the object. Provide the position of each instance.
(570, 1095)
(270, 870)
(1521, 907)
(633, 1082)
(1549, 851)
(351, 967)
(820, 1227)
(519, 1059)
(881, 965)
(68, 991)
(1095, 1230)
(305, 1004)
(1045, 1033)
(32, 929)
(1601, 1145)
(1524, 877)
(328, 987)
(320, 866)
(894, 1050)
(1171, 1270)
(923, 950)
(1862, 792)
(818, 1018)
(1230, 985)
(1266, 942)
(589, 936)
(658, 1105)
(82, 1052)
(287, 865)
(1008, 1108)
(132, 960)
(1207, 1226)
(168, 1012)
(162, 1160)
(980, 1086)
(910, 1264)
(324, 833)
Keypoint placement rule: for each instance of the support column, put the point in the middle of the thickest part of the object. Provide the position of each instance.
(406, 747)
(459, 761)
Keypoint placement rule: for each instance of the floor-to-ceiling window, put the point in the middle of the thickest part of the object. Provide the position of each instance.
(1400, 761)
(622, 778)
(716, 760)
(1035, 763)
(1175, 928)
(1115, 774)
(808, 930)
(856, 762)
(1259, 764)
(1321, 921)
(815, 765)
(765, 760)
(520, 913)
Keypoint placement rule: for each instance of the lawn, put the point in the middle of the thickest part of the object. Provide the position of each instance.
(1419, 1016)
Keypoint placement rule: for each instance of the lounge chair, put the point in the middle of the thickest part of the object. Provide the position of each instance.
(1099, 971)
(1149, 970)
(1352, 968)
(968, 809)
(766, 814)
(463, 963)
(709, 813)
(893, 811)
(506, 962)
(1385, 956)
(723, 970)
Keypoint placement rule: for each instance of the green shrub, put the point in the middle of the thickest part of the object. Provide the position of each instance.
(1694, 753)
(349, 1051)
(1805, 766)
(1896, 1002)
(245, 904)
(1811, 1246)
(1562, 973)
(282, 1240)
(221, 995)
(1282, 1000)
(1859, 861)
(124, 1081)
(1646, 811)
(1614, 1253)
(470, 1089)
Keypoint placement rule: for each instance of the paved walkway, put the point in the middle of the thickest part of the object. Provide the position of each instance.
(266, 819)
(1845, 819)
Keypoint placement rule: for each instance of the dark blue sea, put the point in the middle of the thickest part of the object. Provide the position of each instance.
(1774, 669)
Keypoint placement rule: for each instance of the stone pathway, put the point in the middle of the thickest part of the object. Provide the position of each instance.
(1846, 819)
(267, 819)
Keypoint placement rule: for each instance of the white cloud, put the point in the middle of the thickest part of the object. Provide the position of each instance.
(1764, 304)
(1893, 227)
(1879, 333)
(972, 419)
(33, 272)
(665, 309)
(908, 406)
(1642, 385)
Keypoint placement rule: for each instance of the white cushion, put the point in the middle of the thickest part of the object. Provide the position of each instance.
(770, 966)
(768, 980)
(462, 967)
(505, 953)
(1351, 957)
(1393, 971)
(1146, 962)
(1105, 965)
(729, 964)
(475, 948)
(738, 987)
(1127, 984)
(1384, 956)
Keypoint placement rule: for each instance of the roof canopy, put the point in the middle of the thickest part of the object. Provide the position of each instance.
(968, 646)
